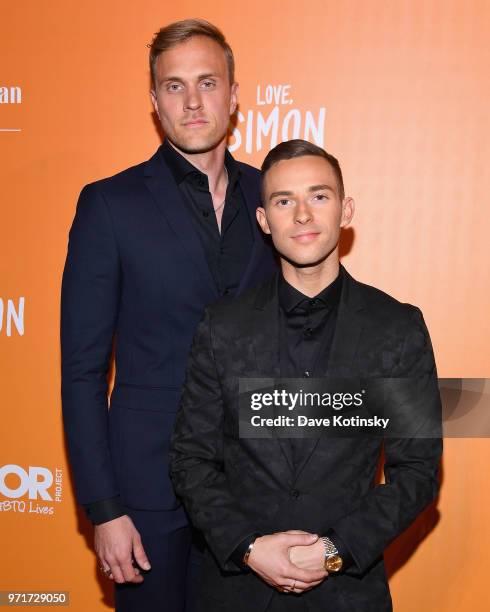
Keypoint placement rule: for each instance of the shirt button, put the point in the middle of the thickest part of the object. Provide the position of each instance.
(294, 493)
(205, 213)
(306, 374)
(313, 302)
(308, 331)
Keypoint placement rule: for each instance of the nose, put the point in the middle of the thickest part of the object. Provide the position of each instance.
(303, 213)
(192, 99)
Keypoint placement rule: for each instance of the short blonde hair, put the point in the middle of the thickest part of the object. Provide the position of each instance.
(180, 31)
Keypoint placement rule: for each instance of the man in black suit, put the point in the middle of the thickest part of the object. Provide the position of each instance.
(148, 249)
(300, 524)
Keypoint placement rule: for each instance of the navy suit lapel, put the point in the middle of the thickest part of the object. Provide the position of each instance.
(170, 204)
(251, 194)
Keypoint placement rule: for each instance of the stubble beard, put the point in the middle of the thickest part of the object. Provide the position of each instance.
(204, 145)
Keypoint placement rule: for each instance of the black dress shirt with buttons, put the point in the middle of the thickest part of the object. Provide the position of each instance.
(227, 252)
(307, 326)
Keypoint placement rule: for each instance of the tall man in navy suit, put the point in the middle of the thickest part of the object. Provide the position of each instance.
(149, 248)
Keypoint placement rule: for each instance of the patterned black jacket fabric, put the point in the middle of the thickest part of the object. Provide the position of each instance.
(233, 487)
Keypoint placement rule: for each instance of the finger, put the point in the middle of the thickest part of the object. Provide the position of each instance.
(105, 569)
(291, 585)
(140, 555)
(301, 587)
(308, 576)
(117, 574)
(129, 573)
(298, 539)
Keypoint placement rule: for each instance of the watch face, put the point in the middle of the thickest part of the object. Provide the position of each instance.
(333, 563)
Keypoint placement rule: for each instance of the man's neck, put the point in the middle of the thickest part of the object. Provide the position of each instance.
(311, 280)
(211, 163)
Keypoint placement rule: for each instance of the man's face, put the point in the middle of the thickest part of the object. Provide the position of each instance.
(302, 209)
(193, 96)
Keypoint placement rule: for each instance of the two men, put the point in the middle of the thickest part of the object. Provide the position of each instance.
(149, 249)
(299, 524)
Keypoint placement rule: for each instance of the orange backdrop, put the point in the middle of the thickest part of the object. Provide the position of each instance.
(396, 89)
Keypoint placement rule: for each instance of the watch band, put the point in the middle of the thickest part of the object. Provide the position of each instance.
(330, 548)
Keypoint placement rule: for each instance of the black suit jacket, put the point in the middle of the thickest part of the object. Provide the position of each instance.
(135, 271)
(233, 487)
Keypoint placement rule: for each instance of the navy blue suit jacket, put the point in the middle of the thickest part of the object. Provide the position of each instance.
(135, 278)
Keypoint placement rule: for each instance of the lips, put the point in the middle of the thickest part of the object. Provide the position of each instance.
(195, 123)
(306, 237)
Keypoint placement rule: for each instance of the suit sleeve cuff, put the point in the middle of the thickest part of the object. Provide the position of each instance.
(104, 510)
(347, 559)
(239, 552)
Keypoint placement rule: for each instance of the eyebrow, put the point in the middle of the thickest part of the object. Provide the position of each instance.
(199, 78)
(323, 187)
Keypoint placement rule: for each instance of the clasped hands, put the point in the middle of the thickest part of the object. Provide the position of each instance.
(290, 561)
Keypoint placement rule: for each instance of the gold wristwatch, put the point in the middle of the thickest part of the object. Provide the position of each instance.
(333, 561)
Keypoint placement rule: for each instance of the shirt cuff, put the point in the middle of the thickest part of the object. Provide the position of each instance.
(104, 510)
(347, 559)
(239, 552)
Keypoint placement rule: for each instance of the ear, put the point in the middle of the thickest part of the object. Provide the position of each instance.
(153, 97)
(234, 97)
(262, 220)
(348, 207)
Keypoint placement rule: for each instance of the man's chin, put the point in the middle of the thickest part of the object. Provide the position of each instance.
(194, 146)
(306, 260)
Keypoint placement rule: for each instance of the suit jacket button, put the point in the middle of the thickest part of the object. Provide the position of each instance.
(295, 493)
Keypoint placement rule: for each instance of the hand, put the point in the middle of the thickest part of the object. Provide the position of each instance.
(309, 557)
(270, 560)
(116, 543)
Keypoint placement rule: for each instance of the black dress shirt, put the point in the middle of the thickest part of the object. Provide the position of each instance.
(227, 253)
(306, 330)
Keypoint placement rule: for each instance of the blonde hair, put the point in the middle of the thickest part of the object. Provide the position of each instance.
(179, 32)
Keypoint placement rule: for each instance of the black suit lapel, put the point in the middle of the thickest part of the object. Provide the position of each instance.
(348, 330)
(265, 336)
(170, 204)
(265, 340)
